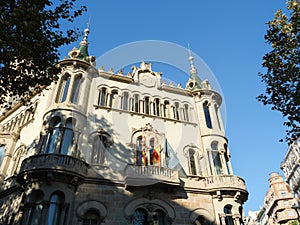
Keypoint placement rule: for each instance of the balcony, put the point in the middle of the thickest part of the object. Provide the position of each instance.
(223, 181)
(148, 175)
(54, 163)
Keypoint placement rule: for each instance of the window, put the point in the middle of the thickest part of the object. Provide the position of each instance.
(54, 212)
(76, 89)
(141, 158)
(227, 159)
(156, 107)
(207, 115)
(2, 154)
(186, 113)
(64, 88)
(113, 99)
(67, 138)
(216, 158)
(125, 101)
(140, 217)
(166, 109)
(228, 215)
(176, 111)
(53, 137)
(192, 162)
(102, 97)
(59, 139)
(36, 208)
(100, 143)
(91, 217)
(283, 194)
(147, 105)
(135, 105)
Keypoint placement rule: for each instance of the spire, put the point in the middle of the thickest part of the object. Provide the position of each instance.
(82, 52)
(193, 71)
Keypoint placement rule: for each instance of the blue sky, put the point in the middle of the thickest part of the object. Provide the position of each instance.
(229, 37)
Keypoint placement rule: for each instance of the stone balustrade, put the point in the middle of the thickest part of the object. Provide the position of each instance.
(55, 162)
(154, 172)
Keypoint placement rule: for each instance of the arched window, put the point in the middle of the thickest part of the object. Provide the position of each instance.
(176, 111)
(76, 89)
(140, 217)
(141, 158)
(228, 215)
(216, 158)
(241, 215)
(67, 138)
(36, 208)
(54, 212)
(186, 113)
(207, 115)
(53, 137)
(192, 162)
(147, 105)
(2, 154)
(166, 109)
(113, 99)
(102, 96)
(91, 217)
(64, 88)
(100, 143)
(125, 101)
(227, 159)
(136, 102)
(156, 107)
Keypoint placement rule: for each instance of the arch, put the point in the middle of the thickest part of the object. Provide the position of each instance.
(200, 212)
(63, 89)
(207, 115)
(228, 215)
(98, 206)
(56, 202)
(156, 203)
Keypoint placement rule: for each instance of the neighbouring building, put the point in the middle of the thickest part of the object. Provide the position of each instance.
(279, 201)
(98, 147)
(291, 168)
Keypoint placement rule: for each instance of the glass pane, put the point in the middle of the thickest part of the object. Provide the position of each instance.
(207, 115)
(75, 90)
(2, 153)
(67, 140)
(53, 138)
(140, 217)
(65, 88)
(54, 211)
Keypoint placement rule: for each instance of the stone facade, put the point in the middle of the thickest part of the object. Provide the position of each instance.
(291, 169)
(98, 147)
(279, 201)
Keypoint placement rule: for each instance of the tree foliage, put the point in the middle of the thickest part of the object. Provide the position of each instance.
(30, 35)
(282, 77)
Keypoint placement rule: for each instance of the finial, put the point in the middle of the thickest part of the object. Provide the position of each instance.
(191, 59)
(86, 32)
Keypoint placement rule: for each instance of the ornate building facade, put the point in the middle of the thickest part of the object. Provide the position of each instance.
(279, 201)
(291, 168)
(98, 147)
